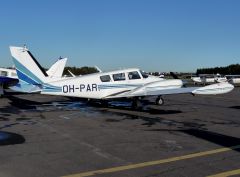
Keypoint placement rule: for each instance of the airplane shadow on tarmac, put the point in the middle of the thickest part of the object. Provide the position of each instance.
(23, 103)
(8, 138)
(235, 107)
(28, 104)
(216, 138)
(150, 120)
(194, 129)
(149, 110)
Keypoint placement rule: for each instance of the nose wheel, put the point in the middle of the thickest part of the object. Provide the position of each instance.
(159, 101)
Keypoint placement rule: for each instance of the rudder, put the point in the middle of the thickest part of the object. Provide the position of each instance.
(27, 67)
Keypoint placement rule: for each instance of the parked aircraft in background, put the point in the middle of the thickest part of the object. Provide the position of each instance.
(56, 70)
(127, 83)
(9, 78)
(161, 75)
(208, 79)
(233, 79)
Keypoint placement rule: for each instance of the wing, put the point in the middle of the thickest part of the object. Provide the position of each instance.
(214, 89)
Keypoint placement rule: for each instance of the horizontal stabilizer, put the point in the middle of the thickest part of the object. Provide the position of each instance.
(26, 88)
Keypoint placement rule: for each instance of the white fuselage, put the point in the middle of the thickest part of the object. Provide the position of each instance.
(234, 79)
(102, 85)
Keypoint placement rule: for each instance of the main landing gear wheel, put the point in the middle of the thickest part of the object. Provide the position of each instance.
(159, 101)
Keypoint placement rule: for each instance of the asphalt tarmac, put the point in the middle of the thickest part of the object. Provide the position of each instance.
(49, 136)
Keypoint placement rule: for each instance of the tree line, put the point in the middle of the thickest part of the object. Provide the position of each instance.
(231, 69)
(79, 71)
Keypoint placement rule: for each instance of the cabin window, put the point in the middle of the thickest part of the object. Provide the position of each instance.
(119, 77)
(144, 74)
(105, 78)
(14, 74)
(133, 75)
(3, 73)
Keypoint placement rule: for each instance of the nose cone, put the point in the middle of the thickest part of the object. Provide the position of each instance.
(226, 85)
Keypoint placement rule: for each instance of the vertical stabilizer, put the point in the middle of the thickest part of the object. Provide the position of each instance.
(28, 69)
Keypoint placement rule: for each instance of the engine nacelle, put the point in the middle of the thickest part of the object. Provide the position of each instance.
(214, 89)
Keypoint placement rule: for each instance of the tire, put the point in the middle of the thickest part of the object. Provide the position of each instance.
(159, 101)
(136, 104)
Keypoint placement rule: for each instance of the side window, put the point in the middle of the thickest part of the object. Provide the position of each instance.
(133, 75)
(119, 77)
(144, 75)
(105, 78)
(3, 73)
(14, 74)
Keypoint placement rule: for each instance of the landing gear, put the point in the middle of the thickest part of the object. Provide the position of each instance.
(104, 103)
(1, 90)
(136, 104)
(159, 101)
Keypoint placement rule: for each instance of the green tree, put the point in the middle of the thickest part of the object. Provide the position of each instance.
(231, 69)
(79, 71)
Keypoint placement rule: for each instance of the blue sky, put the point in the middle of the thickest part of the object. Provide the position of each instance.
(155, 35)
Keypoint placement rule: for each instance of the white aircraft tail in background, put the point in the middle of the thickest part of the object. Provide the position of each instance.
(128, 83)
(56, 70)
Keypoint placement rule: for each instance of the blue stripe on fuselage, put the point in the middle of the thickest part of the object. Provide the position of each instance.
(25, 74)
(25, 78)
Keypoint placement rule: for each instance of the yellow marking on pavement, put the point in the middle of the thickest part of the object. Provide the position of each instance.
(227, 173)
(151, 163)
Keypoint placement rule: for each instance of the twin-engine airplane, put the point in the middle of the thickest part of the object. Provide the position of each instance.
(128, 83)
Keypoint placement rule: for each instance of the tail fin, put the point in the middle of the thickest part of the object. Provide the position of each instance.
(28, 69)
(57, 68)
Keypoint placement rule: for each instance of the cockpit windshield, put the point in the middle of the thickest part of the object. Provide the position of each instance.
(144, 74)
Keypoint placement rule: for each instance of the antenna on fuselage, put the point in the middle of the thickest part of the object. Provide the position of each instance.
(25, 48)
